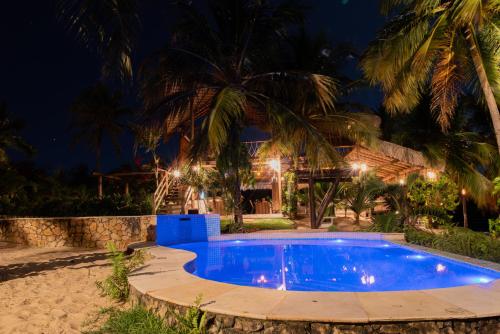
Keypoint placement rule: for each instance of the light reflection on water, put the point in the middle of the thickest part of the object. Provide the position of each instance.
(329, 265)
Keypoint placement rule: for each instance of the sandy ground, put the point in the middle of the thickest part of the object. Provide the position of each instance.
(49, 290)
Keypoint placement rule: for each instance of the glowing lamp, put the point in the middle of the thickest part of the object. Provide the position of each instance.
(431, 175)
(176, 173)
(274, 164)
(363, 167)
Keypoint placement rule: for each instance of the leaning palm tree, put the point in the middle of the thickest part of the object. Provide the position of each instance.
(95, 114)
(453, 46)
(10, 139)
(219, 75)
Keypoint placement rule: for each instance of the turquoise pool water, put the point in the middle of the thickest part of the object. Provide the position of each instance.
(329, 265)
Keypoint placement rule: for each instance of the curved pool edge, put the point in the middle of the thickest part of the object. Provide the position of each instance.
(163, 283)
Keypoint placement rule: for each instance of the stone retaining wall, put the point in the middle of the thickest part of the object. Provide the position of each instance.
(227, 324)
(77, 232)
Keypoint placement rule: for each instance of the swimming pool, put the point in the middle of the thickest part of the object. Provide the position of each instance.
(350, 265)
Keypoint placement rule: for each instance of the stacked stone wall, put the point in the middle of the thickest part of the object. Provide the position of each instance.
(91, 232)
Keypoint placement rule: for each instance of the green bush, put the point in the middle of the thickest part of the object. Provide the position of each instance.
(138, 320)
(227, 225)
(458, 240)
(386, 223)
(116, 285)
(332, 228)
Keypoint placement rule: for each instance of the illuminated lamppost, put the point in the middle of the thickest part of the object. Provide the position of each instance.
(464, 207)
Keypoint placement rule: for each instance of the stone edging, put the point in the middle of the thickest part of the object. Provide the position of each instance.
(163, 283)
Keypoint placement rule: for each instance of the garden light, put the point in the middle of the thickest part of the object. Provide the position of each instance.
(176, 173)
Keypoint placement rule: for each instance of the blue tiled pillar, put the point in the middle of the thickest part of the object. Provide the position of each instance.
(177, 229)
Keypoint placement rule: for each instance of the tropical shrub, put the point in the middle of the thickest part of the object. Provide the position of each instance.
(386, 223)
(457, 240)
(433, 200)
(116, 285)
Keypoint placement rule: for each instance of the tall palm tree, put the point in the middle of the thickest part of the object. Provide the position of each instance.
(10, 139)
(219, 70)
(109, 27)
(95, 114)
(464, 153)
(453, 46)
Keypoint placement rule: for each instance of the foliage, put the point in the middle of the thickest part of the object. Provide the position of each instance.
(10, 138)
(458, 240)
(449, 47)
(28, 191)
(434, 199)
(290, 194)
(110, 27)
(138, 320)
(386, 223)
(116, 285)
(494, 224)
(96, 113)
(227, 225)
(361, 193)
(464, 150)
(332, 228)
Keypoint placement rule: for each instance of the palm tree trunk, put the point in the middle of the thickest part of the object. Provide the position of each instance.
(485, 84)
(238, 214)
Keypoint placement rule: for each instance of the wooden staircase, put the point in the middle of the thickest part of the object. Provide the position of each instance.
(171, 195)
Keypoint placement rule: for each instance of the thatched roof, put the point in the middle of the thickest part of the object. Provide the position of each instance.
(390, 161)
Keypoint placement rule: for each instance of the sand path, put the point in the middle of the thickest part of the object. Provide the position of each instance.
(49, 290)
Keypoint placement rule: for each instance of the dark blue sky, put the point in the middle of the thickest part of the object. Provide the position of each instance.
(43, 69)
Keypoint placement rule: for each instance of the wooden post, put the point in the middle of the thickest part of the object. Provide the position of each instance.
(126, 188)
(312, 203)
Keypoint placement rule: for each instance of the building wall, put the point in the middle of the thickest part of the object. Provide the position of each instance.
(78, 231)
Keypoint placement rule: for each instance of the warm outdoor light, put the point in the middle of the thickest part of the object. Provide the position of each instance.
(431, 175)
(196, 168)
(274, 164)
(464, 192)
(402, 182)
(363, 167)
(176, 173)
(355, 166)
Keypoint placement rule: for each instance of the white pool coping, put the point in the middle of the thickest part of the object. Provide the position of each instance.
(164, 278)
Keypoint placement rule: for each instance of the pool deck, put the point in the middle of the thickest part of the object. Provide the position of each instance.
(163, 278)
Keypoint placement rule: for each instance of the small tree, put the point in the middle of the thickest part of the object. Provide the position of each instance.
(361, 194)
(147, 137)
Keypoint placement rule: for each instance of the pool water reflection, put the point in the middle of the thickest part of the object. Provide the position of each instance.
(329, 265)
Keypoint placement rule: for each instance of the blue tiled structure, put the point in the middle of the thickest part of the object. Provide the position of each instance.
(177, 229)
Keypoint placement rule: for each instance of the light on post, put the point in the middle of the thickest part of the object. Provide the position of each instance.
(176, 173)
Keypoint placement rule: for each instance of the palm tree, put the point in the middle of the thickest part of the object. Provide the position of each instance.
(221, 70)
(361, 193)
(9, 135)
(95, 114)
(451, 46)
(108, 26)
(463, 152)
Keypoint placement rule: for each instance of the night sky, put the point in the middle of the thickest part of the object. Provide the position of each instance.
(43, 68)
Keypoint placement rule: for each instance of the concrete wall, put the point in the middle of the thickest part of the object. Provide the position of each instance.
(78, 231)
